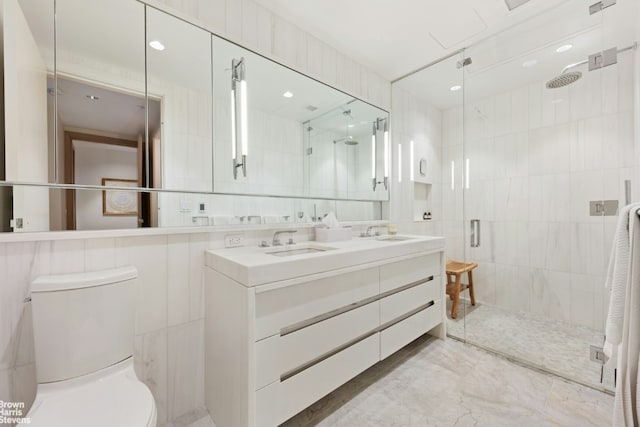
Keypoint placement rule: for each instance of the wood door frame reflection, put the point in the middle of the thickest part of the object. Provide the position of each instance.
(69, 166)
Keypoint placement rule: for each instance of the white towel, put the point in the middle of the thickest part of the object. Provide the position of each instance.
(616, 282)
(627, 399)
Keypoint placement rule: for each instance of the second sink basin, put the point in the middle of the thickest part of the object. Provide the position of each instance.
(297, 250)
(393, 238)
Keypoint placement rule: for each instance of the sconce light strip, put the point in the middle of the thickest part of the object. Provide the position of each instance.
(466, 175)
(244, 115)
(373, 156)
(453, 175)
(411, 160)
(233, 124)
(399, 162)
(386, 153)
(239, 84)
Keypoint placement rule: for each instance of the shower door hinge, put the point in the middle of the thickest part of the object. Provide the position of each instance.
(464, 62)
(603, 59)
(596, 354)
(600, 6)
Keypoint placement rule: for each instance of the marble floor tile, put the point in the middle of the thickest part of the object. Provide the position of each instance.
(432, 382)
(551, 345)
(447, 383)
(197, 418)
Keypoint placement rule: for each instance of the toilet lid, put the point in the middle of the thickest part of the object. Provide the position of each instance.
(117, 400)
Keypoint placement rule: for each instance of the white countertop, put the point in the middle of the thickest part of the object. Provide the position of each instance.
(253, 266)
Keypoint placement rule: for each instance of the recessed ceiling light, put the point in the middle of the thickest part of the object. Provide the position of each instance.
(455, 88)
(287, 94)
(350, 126)
(564, 48)
(530, 63)
(93, 97)
(156, 44)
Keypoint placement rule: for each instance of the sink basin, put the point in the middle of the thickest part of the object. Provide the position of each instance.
(393, 238)
(293, 251)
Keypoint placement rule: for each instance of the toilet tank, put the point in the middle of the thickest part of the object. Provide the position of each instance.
(82, 322)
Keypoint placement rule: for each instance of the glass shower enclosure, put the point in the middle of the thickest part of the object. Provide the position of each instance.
(536, 150)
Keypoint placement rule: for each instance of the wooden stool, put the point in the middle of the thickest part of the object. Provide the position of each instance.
(454, 287)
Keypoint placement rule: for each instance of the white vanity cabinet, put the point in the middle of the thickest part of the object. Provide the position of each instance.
(274, 349)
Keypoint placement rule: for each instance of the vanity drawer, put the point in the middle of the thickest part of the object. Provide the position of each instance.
(278, 354)
(400, 303)
(397, 336)
(283, 307)
(408, 271)
(283, 399)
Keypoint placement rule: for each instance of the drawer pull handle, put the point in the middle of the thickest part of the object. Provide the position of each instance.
(341, 310)
(295, 371)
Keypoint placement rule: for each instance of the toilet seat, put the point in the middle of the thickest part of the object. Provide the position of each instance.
(113, 396)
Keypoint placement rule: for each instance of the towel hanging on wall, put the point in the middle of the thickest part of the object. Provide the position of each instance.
(622, 344)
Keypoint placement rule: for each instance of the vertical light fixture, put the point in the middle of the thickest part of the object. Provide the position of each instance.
(466, 175)
(387, 154)
(411, 160)
(380, 125)
(399, 163)
(239, 84)
(453, 175)
(233, 129)
(373, 156)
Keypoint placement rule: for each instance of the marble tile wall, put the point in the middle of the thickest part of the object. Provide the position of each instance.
(415, 120)
(537, 157)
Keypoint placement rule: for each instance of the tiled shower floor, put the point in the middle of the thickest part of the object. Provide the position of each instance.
(551, 345)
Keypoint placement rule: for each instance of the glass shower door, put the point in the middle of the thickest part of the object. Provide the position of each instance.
(543, 148)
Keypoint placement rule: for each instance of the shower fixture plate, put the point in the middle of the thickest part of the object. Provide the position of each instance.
(603, 59)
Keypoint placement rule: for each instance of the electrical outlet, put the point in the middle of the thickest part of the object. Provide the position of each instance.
(233, 240)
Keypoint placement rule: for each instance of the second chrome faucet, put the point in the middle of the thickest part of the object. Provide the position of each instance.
(276, 237)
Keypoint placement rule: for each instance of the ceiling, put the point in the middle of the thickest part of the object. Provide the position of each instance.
(526, 53)
(396, 37)
(393, 38)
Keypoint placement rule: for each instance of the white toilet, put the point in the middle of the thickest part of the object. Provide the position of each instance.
(83, 328)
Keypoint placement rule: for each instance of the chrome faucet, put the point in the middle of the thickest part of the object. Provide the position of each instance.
(276, 237)
(369, 229)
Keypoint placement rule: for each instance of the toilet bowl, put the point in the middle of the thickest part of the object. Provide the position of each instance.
(83, 332)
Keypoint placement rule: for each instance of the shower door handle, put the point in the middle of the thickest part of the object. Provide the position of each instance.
(475, 233)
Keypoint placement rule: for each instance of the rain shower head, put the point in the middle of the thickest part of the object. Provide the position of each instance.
(566, 78)
(563, 80)
(347, 141)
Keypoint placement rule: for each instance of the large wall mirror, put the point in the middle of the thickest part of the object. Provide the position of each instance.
(124, 95)
(303, 138)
